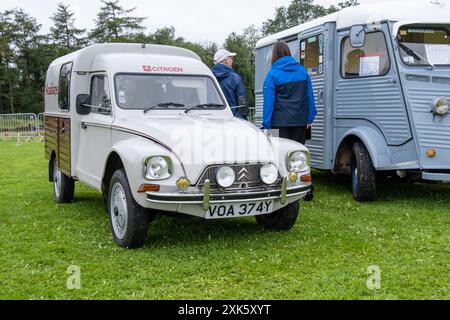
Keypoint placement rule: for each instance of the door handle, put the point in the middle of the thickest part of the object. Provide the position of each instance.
(320, 96)
(83, 126)
(393, 81)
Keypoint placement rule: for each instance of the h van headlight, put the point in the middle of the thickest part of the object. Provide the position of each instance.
(440, 106)
(298, 161)
(157, 168)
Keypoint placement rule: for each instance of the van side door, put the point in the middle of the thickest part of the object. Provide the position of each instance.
(95, 133)
(368, 88)
(317, 56)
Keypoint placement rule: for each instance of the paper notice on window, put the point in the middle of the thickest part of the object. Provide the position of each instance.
(122, 98)
(369, 66)
(438, 54)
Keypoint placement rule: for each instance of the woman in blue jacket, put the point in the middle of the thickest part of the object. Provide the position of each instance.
(288, 96)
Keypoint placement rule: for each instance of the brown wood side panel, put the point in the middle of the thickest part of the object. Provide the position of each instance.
(58, 140)
(64, 145)
(51, 136)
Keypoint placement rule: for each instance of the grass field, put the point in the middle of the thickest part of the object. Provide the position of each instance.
(326, 256)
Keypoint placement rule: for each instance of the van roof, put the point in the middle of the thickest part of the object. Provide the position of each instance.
(84, 58)
(395, 11)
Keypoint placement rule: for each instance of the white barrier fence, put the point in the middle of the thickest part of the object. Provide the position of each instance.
(21, 127)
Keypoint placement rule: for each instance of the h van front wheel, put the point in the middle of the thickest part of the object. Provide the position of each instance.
(129, 221)
(363, 174)
(63, 186)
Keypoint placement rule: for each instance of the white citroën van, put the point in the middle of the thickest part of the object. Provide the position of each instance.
(149, 128)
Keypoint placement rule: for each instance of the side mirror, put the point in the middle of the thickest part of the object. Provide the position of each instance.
(83, 104)
(358, 36)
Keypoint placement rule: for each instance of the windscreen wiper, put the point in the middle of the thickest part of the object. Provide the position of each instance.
(165, 105)
(205, 105)
(414, 54)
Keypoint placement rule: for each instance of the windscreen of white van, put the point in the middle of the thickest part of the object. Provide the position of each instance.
(424, 45)
(140, 92)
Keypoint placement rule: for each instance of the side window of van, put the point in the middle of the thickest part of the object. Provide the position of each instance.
(372, 60)
(100, 94)
(64, 86)
(311, 54)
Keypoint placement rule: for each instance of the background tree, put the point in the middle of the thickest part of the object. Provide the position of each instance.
(298, 12)
(114, 24)
(63, 33)
(20, 70)
(25, 54)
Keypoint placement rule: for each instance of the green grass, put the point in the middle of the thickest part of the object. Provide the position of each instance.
(326, 256)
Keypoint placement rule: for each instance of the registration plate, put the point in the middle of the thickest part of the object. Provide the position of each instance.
(237, 210)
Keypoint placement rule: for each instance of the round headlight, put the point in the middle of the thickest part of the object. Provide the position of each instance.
(441, 106)
(269, 174)
(225, 177)
(298, 162)
(157, 168)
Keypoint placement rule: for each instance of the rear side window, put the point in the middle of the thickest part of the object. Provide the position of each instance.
(311, 54)
(372, 60)
(64, 86)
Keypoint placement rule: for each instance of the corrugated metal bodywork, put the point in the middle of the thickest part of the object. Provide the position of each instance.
(391, 114)
(432, 131)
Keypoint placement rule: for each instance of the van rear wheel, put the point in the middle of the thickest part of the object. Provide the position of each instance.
(363, 174)
(63, 186)
(129, 221)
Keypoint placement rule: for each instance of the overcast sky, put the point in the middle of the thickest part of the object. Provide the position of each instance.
(195, 20)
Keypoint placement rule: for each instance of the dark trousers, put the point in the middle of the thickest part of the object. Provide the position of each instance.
(293, 133)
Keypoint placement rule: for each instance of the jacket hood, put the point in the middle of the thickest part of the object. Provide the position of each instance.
(221, 71)
(286, 64)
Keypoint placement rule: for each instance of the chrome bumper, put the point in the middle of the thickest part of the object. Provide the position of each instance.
(431, 176)
(206, 199)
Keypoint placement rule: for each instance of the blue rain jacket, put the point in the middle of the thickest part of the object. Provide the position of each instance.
(288, 95)
(232, 85)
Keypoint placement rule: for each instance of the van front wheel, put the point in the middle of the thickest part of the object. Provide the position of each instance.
(281, 220)
(129, 221)
(363, 174)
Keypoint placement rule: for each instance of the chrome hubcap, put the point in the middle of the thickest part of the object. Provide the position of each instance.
(119, 210)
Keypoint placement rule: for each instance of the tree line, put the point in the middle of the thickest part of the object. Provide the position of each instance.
(25, 53)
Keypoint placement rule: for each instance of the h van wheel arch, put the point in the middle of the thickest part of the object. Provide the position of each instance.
(353, 159)
(373, 141)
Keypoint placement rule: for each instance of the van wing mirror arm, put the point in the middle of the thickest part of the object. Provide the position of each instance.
(97, 108)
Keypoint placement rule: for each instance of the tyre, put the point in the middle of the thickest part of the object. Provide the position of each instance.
(363, 174)
(63, 186)
(281, 220)
(129, 221)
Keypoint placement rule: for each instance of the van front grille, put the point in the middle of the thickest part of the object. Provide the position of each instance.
(247, 178)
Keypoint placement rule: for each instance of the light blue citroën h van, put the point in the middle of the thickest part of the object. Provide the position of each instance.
(381, 78)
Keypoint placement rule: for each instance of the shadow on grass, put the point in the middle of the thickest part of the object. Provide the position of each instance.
(191, 232)
(195, 231)
(388, 189)
(174, 231)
